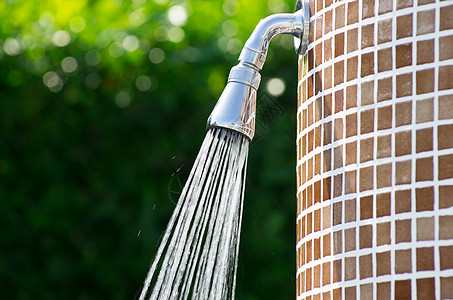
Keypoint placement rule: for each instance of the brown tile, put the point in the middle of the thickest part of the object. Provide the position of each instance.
(327, 105)
(327, 45)
(367, 64)
(339, 44)
(367, 9)
(425, 22)
(367, 93)
(367, 36)
(353, 12)
(403, 113)
(385, 60)
(404, 26)
(352, 44)
(309, 223)
(446, 257)
(425, 229)
(383, 234)
(339, 101)
(351, 151)
(351, 125)
(318, 82)
(366, 149)
(349, 239)
(328, 21)
(366, 236)
(384, 89)
(319, 5)
(383, 205)
(326, 217)
(425, 81)
(425, 111)
(384, 31)
(385, 6)
(403, 262)
(338, 73)
(327, 133)
(338, 185)
(339, 16)
(318, 27)
(318, 109)
(446, 21)
(366, 207)
(351, 96)
(336, 270)
(308, 279)
(425, 52)
(337, 213)
(326, 188)
(445, 166)
(383, 291)
(384, 117)
(351, 72)
(446, 107)
(445, 75)
(425, 259)
(338, 242)
(349, 268)
(338, 157)
(445, 227)
(317, 221)
(403, 289)
(424, 139)
(446, 287)
(350, 210)
(423, 2)
(367, 121)
(402, 201)
(403, 231)
(403, 143)
(400, 4)
(403, 56)
(316, 249)
(424, 169)
(445, 47)
(445, 196)
(384, 175)
(403, 85)
(425, 288)
(326, 245)
(403, 172)
(350, 293)
(350, 181)
(310, 85)
(366, 267)
(325, 274)
(424, 199)
(316, 278)
(328, 77)
(384, 146)
(383, 263)
(366, 178)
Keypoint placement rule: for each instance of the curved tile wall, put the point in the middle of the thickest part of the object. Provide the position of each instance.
(375, 151)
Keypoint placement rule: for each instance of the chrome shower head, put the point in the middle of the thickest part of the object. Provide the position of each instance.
(236, 107)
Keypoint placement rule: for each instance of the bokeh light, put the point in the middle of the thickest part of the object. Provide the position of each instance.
(275, 86)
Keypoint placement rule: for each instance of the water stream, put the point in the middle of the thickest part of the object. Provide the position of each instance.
(197, 258)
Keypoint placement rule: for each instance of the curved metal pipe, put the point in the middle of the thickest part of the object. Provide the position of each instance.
(236, 107)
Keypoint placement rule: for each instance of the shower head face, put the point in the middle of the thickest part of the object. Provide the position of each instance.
(235, 109)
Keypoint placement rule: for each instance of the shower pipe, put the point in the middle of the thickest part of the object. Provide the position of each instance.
(236, 106)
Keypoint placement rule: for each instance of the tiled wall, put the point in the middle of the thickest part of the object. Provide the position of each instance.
(375, 151)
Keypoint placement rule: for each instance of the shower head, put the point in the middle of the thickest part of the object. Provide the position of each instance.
(235, 108)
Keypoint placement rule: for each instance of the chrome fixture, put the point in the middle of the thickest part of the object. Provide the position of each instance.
(235, 108)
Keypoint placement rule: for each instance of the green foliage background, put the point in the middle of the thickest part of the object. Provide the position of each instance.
(91, 157)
